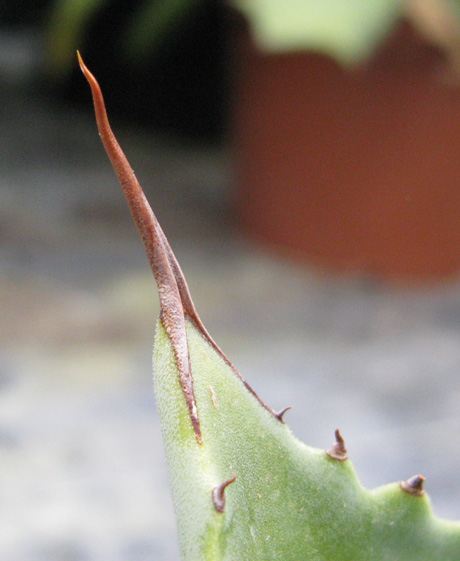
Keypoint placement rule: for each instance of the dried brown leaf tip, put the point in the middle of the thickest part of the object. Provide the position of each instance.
(175, 300)
(414, 486)
(218, 494)
(172, 288)
(338, 450)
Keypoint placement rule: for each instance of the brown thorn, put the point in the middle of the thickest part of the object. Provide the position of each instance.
(162, 261)
(182, 286)
(218, 494)
(338, 450)
(280, 414)
(414, 485)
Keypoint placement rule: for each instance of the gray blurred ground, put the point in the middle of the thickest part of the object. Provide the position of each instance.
(82, 470)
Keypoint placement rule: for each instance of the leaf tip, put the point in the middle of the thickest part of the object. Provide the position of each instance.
(88, 75)
(172, 287)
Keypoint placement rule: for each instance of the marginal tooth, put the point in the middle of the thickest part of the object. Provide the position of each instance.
(338, 450)
(414, 485)
(218, 494)
(280, 414)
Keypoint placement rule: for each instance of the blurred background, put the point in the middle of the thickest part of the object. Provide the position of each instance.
(329, 291)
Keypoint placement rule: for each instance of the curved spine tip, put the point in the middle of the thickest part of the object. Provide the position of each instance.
(175, 299)
(414, 485)
(167, 273)
(280, 414)
(218, 494)
(338, 450)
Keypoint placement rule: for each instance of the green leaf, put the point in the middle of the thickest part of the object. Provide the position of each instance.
(348, 30)
(289, 501)
(244, 487)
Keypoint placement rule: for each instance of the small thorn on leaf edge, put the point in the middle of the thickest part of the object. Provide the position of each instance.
(218, 494)
(280, 414)
(414, 485)
(338, 450)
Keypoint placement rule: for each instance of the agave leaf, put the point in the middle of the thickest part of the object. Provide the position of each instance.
(289, 501)
(244, 487)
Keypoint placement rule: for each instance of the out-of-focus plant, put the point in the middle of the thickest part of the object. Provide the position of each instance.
(148, 23)
(348, 30)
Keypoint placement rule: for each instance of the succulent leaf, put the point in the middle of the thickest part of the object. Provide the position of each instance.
(244, 487)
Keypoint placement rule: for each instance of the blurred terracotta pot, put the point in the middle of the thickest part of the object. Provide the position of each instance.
(356, 171)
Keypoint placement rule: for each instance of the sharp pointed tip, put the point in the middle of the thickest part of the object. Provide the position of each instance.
(338, 450)
(86, 72)
(414, 485)
(280, 414)
(218, 494)
(339, 438)
(81, 62)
